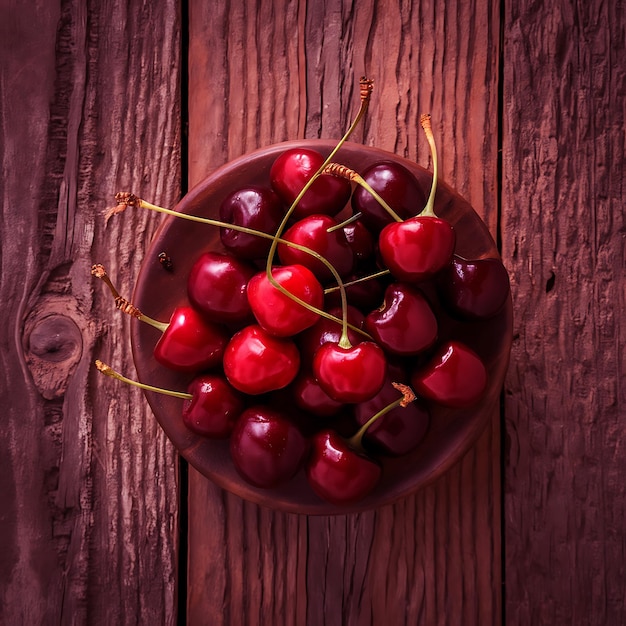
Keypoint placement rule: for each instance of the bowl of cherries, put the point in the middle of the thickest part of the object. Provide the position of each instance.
(329, 326)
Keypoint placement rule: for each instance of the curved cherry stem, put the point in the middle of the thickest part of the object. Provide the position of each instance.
(356, 441)
(344, 341)
(126, 199)
(357, 281)
(428, 210)
(109, 371)
(121, 303)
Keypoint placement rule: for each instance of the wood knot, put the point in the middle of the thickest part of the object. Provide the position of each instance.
(53, 346)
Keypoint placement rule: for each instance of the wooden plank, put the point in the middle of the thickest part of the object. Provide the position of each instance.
(261, 72)
(90, 103)
(563, 239)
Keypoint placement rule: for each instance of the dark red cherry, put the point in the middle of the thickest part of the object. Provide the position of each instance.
(404, 324)
(256, 362)
(310, 397)
(292, 170)
(473, 289)
(352, 374)
(190, 343)
(398, 431)
(360, 240)
(277, 312)
(214, 407)
(417, 248)
(328, 331)
(217, 286)
(364, 295)
(267, 449)
(396, 185)
(337, 473)
(257, 208)
(455, 377)
(312, 233)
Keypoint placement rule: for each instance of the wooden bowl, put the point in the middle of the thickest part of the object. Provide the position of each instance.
(159, 291)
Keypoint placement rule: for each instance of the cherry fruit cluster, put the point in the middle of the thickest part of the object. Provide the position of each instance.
(312, 336)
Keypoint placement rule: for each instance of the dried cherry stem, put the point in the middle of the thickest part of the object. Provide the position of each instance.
(357, 281)
(342, 171)
(109, 371)
(356, 441)
(126, 199)
(121, 303)
(366, 86)
(428, 210)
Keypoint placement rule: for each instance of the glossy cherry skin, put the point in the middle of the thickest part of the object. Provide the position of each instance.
(278, 313)
(455, 377)
(365, 295)
(257, 208)
(190, 343)
(256, 362)
(310, 397)
(417, 248)
(473, 289)
(328, 331)
(337, 473)
(267, 449)
(312, 232)
(405, 324)
(217, 286)
(397, 186)
(361, 240)
(214, 407)
(398, 431)
(352, 374)
(292, 170)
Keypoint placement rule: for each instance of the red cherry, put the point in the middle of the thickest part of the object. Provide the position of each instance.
(398, 431)
(455, 377)
(267, 449)
(190, 343)
(352, 374)
(276, 312)
(214, 407)
(396, 185)
(292, 170)
(312, 232)
(404, 324)
(418, 248)
(256, 362)
(257, 208)
(217, 286)
(337, 473)
(473, 289)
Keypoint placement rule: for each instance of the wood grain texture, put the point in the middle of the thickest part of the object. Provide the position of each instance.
(563, 239)
(263, 72)
(89, 96)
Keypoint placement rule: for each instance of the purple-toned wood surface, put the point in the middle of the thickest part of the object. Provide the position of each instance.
(527, 99)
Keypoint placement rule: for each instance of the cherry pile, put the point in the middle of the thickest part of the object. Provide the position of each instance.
(312, 337)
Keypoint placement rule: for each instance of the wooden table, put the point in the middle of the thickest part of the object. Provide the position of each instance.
(100, 523)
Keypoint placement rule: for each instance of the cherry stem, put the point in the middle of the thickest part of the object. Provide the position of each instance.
(342, 171)
(125, 199)
(428, 210)
(108, 371)
(353, 218)
(357, 281)
(121, 303)
(356, 441)
(344, 341)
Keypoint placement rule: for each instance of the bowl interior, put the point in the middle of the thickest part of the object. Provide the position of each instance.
(158, 292)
